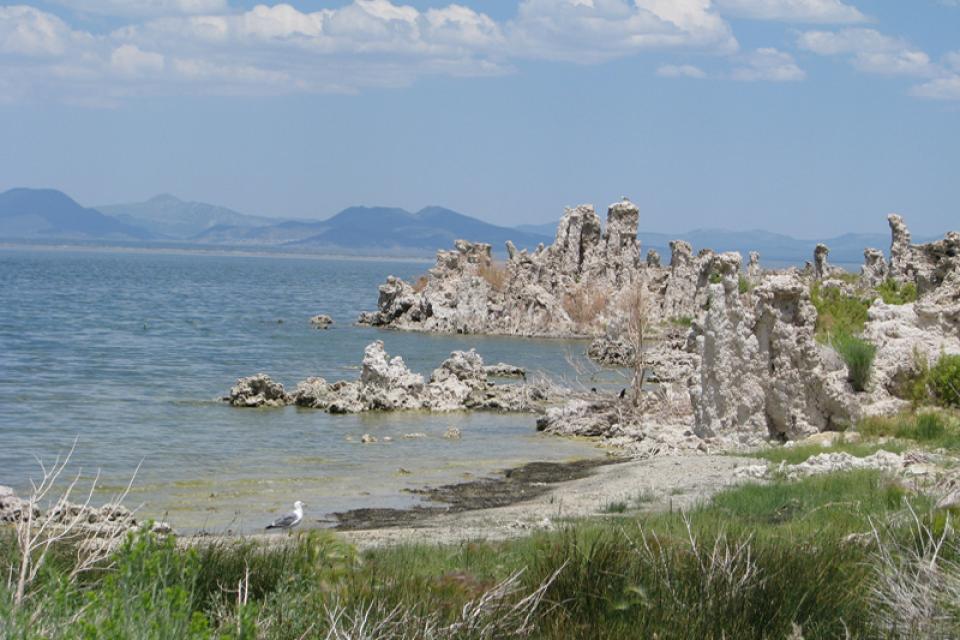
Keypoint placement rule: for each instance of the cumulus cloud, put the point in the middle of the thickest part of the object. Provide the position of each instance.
(25, 31)
(823, 11)
(681, 71)
(206, 45)
(129, 60)
(946, 88)
(589, 31)
(870, 51)
(768, 65)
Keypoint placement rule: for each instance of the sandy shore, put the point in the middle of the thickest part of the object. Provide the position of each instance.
(670, 482)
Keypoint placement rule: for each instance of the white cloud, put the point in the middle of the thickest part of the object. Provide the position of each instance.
(870, 51)
(589, 31)
(204, 46)
(680, 71)
(129, 60)
(946, 88)
(183, 46)
(26, 31)
(952, 60)
(823, 11)
(768, 65)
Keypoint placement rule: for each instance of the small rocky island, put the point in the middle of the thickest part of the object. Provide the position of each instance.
(461, 382)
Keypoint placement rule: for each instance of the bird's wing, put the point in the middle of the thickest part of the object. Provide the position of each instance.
(286, 520)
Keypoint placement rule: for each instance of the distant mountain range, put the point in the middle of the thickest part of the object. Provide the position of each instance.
(168, 216)
(46, 215)
(50, 215)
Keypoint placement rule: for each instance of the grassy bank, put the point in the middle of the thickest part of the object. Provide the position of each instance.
(756, 562)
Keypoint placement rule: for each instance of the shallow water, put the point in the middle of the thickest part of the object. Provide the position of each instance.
(128, 353)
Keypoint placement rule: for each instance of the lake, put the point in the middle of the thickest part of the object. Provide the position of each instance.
(129, 353)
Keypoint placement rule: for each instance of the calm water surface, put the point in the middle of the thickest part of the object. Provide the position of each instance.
(129, 352)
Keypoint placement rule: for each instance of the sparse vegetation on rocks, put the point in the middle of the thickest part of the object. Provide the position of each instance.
(894, 292)
(858, 355)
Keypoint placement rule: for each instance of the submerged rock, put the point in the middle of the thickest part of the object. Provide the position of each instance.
(321, 321)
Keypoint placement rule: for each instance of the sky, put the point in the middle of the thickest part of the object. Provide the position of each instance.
(806, 117)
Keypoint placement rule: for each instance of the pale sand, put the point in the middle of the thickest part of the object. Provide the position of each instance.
(676, 482)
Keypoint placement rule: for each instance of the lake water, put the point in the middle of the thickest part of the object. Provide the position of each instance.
(129, 353)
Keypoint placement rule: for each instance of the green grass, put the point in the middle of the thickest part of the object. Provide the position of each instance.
(682, 321)
(858, 355)
(749, 564)
(838, 313)
(845, 276)
(933, 429)
(892, 292)
(618, 506)
(800, 453)
(743, 285)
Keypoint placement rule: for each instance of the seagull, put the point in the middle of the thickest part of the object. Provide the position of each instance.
(290, 520)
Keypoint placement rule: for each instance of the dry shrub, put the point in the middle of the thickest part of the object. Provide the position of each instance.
(583, 305)
(495, 274)
(420, 284)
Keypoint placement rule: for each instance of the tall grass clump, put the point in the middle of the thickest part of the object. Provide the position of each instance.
(858, 355)
(937, 429)
(837, 312)
(944, 380)
(892, 292)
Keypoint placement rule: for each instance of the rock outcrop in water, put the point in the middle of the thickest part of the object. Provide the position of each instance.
(321, 321)
(386, 384)
(258, 391)
(737, 357)
(569, 288)
(109, 521)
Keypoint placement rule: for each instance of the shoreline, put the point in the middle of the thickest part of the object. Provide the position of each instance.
(510, 486)
(588, 490)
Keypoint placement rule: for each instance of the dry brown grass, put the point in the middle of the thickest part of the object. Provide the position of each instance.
(420, 284)
(584, 305)
(495, 274)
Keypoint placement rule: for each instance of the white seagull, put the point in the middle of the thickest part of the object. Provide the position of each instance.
(290, 520)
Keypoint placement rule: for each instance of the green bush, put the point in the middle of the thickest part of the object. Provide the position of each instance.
(838, 313)
(858, 354)
(743, 285)
(715, 278)
(892, 292)
(945, 380)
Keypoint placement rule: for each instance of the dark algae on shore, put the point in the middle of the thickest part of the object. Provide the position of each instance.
(513, 486)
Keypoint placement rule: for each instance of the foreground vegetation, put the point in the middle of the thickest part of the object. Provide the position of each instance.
(830, 556)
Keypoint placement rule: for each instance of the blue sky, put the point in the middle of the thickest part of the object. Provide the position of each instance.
(809, 117)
